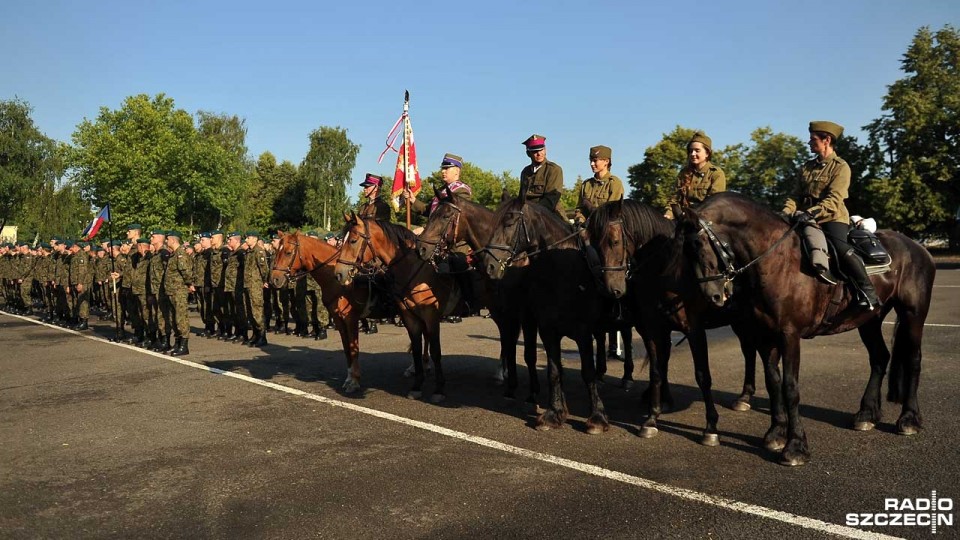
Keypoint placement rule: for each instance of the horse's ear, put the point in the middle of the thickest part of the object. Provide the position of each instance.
(686, 214)
(280, 233)
(346, 217)
(504, 195)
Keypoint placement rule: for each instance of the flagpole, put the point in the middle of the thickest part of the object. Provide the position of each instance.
(406, 149)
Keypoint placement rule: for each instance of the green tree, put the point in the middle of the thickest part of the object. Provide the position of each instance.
(28, 158)
(288, 210)
(325, 173)
(767, 169)
(919, 135)
(653, 180)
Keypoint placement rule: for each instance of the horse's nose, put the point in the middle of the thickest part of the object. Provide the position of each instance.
(492, 270)
(617, 293)
(422, 251)
(717, 299)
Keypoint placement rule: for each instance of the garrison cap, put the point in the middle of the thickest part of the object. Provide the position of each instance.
(601, 152)
(371, 180)
(835, 130)
(451, 160)
(535, 142)
(134, 226)
(701, 137)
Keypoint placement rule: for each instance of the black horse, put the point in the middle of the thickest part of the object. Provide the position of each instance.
(455, 220)
(562, 291)
(731, 239)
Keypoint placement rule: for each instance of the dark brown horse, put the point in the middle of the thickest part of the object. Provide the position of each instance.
(455, 220)
(562, 291)
(386, 253)
(638, 252)
(732, 240)
(299, 255)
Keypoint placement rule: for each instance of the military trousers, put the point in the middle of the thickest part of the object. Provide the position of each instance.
(25, 289)
(177, 312)
(156, 315)
(81, 301)
(202, 306)
(221, 308)
(253, 307)
(316, 311)
(208, 315)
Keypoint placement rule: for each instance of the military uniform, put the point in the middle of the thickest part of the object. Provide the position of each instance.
(155, 293)
(233, 290)
(595, 192)
(176, 286)
(256, 273)
(81, 281)
(694, 184)
(542, 184)
(139, 288)
(375, 206)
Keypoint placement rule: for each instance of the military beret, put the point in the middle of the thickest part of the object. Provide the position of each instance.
(329, 235)
(83, 244)
(69, 243)
(313, 234)
(115, 243)
(371, 180)
(142, 241)
(233, 233)
(276, 236)
(134, 226)
(835, 130)
(600, 152)
(57, 238)
(701, 138)
(535, 142)
(451, 160)
(44, 245)
(206, 235)
(216, 232)
(161, 232)
(254, 234)
(175, 233)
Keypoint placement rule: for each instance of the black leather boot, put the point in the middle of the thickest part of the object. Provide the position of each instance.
(858, 274)
(165, 344)
(321, 333)
(261, 340)
(82, 326)
(372, 327)
(181, 349)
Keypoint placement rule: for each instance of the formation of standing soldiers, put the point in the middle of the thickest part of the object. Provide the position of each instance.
(150, 280)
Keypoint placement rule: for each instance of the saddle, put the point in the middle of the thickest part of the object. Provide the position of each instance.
(820, 258)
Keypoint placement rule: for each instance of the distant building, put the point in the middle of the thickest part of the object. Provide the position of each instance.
(9, 233)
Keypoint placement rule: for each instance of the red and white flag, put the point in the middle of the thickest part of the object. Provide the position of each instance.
(407, 174)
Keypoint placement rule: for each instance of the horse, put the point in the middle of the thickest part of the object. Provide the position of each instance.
(638, 251)
(732, 240)
(457, 219)
(299, 255)
(386, 253)
(562, 292)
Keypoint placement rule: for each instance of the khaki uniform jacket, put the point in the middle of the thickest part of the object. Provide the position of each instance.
(157, 271)
(80, 271)
(705, 182)
(255, 269)
(545, 186)
(26, 268)
(231, 271)
(140, 274)
(218, 259)
(825, 184)
(458, 188)
(598, 192)
(179, 275)
(376, 208)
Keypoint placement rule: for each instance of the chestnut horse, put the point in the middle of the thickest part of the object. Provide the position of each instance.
(299, 255)
(732, 240)
(456, 219)
(386, 253)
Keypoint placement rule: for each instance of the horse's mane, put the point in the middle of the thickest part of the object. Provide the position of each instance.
(552, 223)
(397, 234)
(642, 221)
(737, 208)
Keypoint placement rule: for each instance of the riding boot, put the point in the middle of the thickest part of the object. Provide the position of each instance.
(858, 275)
(372, 327)
(181, 349)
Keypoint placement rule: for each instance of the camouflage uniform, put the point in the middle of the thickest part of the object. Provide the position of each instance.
(176, 286)
(256, 273)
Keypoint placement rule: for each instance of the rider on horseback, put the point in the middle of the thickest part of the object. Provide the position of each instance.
(820, 192)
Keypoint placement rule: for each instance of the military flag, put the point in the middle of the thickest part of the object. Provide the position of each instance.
(407, 173)
(103, 215)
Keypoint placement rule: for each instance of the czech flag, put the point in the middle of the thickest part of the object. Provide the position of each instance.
(94, 227)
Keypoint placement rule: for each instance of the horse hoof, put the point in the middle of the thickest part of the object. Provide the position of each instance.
(438, 398)
(648, 432)
(598, 426)
(627, 384)
(908, 431)
(414, 394)
(863, 426)
(542, 427)
(710, 439)
(548, 420)
(793, 460)
(775, 445)
(741, 405)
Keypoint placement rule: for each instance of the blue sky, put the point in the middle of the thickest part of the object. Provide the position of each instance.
(482, 75)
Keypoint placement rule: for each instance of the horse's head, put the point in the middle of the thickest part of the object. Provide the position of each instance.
(510, 238)
(707, 256)
(287, 262)
(441, 231)
(614, 244)
(356, 249)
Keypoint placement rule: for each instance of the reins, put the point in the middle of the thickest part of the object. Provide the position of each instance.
(729, 271)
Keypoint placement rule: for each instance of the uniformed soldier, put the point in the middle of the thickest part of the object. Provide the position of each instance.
(177, 284)
(541, 181)
(820, 191)
(26, 270)
(233, 288)
(699, 178)
(204, 278)
(600, 188)
(218, 254)
(255, 277)
(372, 204)
(313, 300)
(138, 288)
(155, 293)
(81, 281)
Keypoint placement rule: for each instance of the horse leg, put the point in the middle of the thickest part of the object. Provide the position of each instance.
(627, 380)
(349, 330)
(701, 366)
(869, 414)
(652, 395)
(509, 332)
(796, 452)
(597, 422)
(529, 327)
(749, 350)
(432, 332)
(556, 413)
(415, 332)
(600, 364)
(776, 437)
(906, 353)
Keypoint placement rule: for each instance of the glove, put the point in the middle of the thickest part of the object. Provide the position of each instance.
(815, 210)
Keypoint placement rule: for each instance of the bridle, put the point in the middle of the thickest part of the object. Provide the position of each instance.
(442, 244)
(513, 253)
(725, 257)
(626, 258)
(358, 267)
(288, 273)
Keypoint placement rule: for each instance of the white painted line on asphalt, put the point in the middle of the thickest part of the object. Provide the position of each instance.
(681, 493)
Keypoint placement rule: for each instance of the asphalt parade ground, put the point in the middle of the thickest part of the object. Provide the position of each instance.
(100, 440)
